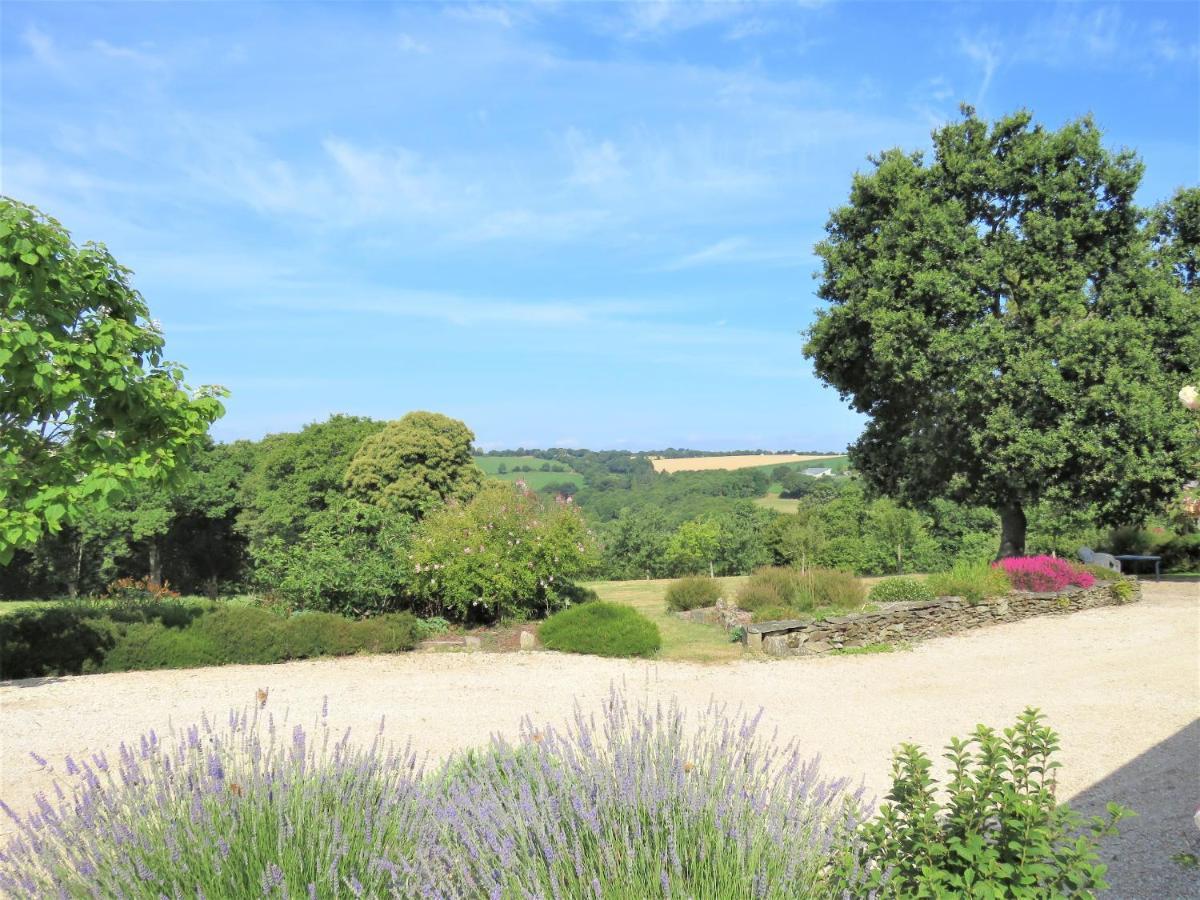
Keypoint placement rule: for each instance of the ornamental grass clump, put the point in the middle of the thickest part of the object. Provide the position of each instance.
(1044, 573)
(638, 804)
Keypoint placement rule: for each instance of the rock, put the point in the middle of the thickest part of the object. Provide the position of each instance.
(775, 645)
(817, 646)
(528, 641)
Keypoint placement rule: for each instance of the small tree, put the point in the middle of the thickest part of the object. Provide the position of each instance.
(896, 527)
(415, 465)
(1011, 326)
(693, 547)
(88, 404)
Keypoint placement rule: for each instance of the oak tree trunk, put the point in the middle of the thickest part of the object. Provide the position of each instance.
(1012, 531)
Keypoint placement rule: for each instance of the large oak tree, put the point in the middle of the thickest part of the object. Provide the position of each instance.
(1013, 324)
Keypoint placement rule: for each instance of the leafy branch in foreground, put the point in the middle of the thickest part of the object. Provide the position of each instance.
(1000, 833)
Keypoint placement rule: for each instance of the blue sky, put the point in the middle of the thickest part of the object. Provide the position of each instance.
(566, 224)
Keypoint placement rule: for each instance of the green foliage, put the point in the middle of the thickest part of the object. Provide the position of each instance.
(1122, 587)
(693, 592)
(351, 559)
(1100, 573)
(415, 465)
(800, 592)
(974, 582)
(297, 476)
(89, 405)
(505, 554)
(601, 629)
(770, 611)
(693, 547)
(1011, 279)
(893, 590)
(1000, 833)
(76, 638)
(635, 544)
(797, 540)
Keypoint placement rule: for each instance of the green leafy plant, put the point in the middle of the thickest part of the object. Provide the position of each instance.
(800, 592)
(89, 404)
(893, 590)
(974, 582)
(693, 592)
(602, 629)
(999, 833)
(1123, 588)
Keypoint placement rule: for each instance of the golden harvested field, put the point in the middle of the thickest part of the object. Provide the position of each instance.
(712, 463)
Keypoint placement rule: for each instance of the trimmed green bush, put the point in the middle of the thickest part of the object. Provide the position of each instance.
(693, 592)
(899, 590)
(61, 640)
(974, 582)
(602, 629)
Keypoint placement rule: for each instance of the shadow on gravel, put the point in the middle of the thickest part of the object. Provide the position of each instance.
(1162, 786)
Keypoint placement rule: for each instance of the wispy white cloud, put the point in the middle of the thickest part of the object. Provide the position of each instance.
(741, 251)
(985, 54)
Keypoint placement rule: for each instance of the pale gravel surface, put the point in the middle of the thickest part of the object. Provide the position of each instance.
(1121, 685)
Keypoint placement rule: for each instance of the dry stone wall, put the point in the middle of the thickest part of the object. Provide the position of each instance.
(908, 622)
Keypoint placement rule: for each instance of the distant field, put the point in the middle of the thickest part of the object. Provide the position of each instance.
(536, 479)
(713, 463)
(777, 503)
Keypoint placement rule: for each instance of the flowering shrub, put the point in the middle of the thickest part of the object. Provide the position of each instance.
(693, 592)
(505, 554)
(636, 805)
(1044, 573)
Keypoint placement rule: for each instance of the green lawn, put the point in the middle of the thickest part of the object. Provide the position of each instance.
(536, 479)
(682, 640)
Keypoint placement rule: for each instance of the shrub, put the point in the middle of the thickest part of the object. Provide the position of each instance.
(773, 614)
(896, 590)
(54, 640)
(639, 804)
(1043, 573)
(505, 554)
(829, 588)
(974, 582)
(693, 592)
(1101, 573)
(603, 629)
(1000, 834)
(151, 645)
(75, 639)
(800, 591)
(768, 587)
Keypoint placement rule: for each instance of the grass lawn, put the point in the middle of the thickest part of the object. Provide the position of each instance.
(682, 640)
(779, 504)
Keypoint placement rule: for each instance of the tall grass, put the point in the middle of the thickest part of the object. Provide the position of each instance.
(637, 804)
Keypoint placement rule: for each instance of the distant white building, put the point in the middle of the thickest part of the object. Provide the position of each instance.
(817, 473)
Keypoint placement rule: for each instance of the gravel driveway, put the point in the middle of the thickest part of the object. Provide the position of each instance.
(1121, 685)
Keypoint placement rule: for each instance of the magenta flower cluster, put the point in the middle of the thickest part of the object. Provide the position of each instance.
(1044, 573)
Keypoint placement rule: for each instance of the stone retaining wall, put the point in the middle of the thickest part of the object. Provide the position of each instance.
(907, 622)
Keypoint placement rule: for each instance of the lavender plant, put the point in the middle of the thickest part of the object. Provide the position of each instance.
(640, 803)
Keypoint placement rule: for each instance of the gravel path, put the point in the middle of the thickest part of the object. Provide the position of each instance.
(1121, 685)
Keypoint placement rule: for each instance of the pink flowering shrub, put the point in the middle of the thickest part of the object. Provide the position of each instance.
(1043, 573)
